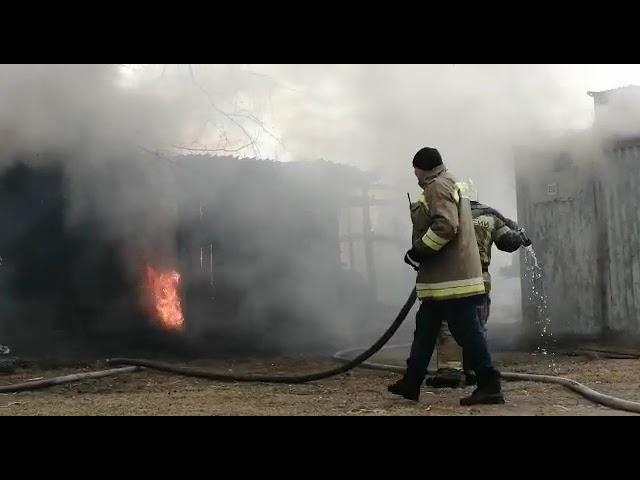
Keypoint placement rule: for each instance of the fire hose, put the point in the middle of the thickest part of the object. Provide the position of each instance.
(128, 365)
(76, 377)
(290, 379)
(588, 393)
(135, 364)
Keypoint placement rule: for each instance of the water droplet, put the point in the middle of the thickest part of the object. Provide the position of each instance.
(538, 298)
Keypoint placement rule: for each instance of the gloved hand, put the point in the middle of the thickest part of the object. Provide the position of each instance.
(511, 224)
(526, 241)
(410, 258)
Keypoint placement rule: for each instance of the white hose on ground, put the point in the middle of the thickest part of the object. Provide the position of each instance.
(588, 393)
(76, 377)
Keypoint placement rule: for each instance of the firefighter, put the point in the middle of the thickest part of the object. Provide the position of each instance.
(449, 281)
(491, 228)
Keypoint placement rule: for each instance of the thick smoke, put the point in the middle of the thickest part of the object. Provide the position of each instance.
(99, 118)
(377, 116)
(116, 140)
(57, 106)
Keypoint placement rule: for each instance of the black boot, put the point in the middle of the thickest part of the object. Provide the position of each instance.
(408, 386)
(489, 391)
(470, 379)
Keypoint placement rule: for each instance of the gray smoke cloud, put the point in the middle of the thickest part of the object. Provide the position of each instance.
(116, 139)
(370, 116)
(55, 106)
(378, 116)
(99, 120)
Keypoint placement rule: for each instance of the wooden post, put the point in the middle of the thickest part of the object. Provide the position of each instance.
(368, 243)
(350, 239)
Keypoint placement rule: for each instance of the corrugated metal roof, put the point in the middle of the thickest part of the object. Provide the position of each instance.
(604, 96)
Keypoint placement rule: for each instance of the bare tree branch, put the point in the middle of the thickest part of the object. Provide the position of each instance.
(246, 114)
(234, 117)
(240, 114)
(212, 150)
(158, 154)
(222, 112)
(270, 79)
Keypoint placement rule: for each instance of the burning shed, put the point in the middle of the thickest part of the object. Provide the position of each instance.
(162, 254)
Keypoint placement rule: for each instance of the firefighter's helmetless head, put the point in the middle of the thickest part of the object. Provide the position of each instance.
(424, 161)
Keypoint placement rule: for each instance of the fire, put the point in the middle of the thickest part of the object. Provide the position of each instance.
(164, 298)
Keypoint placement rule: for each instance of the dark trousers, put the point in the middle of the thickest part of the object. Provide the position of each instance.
(464, 325)
(484, 309)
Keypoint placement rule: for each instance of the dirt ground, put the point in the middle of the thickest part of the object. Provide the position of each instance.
(360, 392)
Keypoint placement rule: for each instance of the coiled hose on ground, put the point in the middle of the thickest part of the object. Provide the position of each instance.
(129, 365)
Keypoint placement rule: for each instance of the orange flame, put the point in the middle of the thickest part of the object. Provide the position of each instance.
(164, 297)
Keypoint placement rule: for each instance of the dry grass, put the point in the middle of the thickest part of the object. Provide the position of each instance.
(360, 392)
